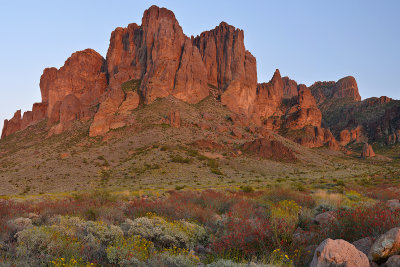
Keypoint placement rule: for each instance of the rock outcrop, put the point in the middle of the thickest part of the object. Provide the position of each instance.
(343, 88)
(166, 62)
(269, 97)
(230, 68)
(305, 113)
(358, 135)
(367, 151)
(289, 87)
(75, 88)
(156, 59)
(159, 55)
(338, 253)
(175, 118)
(393, 261)
(364, 245)
(13, 125)
(269, 149)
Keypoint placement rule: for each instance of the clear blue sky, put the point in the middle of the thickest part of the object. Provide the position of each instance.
(307, 40)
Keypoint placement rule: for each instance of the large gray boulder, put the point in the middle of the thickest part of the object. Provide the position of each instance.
(385, 246)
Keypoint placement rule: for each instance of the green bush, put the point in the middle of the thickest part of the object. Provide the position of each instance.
(131, 85)
(247, 188)
(164, 234)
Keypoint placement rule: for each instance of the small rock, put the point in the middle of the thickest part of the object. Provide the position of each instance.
(332, 253)
(64, 155)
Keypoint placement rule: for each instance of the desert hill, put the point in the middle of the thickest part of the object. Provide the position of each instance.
(177, 108)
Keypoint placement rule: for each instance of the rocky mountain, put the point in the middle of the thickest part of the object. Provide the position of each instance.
(157, 60)
(352, 120)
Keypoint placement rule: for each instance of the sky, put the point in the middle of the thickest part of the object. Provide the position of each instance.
(307, 40)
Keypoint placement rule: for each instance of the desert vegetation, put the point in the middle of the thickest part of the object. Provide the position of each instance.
(279, 226)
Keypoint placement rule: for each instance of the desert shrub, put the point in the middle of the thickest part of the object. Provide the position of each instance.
(167, 234)
(72, 262)
(42, 244)
(130, 251)
(323, 207)
(279, 258)
(247, 188)
(306, 218)
(382, 194)
(225, 263)
(188, 205)
(68, 237)
(179, 187)
(284, 221)
(333, 199)
(242, 238)
(283, 193)
(131, 85)
(168, 258)
(362, 221)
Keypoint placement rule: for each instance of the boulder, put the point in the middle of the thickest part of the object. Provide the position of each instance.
(385, 246)
(338, 252)
(325, 218)
(364, 244)
(393, 261)
(393, 204)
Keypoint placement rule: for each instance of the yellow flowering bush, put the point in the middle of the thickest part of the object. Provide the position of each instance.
(131, 249)
(280, 259)
(284, 220)
(72, 262)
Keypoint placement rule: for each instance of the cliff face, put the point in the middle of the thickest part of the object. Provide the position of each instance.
(163, 62)
(156, 59)
(230, 68)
